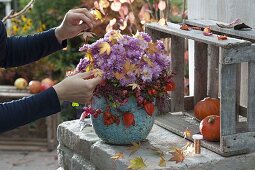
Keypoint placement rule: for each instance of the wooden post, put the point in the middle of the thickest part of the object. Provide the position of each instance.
(213, 71)
(228, 96)
(251, 97)
(200, 71)
(177, 67)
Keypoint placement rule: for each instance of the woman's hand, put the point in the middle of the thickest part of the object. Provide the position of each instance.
(75, 21)
(77, 88)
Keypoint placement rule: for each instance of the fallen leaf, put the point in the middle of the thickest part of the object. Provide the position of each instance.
(162, 161)
(105, 47)
(118, 155)
(207, 34)
(162, 21)
(135, 147)
(207, 31)
(196, 28)
(157, 151)
(137, 163)
(187, 133)
(222, 37)
(188, 149)
(177, 156)
(185, 27)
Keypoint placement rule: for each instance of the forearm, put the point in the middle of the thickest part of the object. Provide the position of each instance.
(24, 50)
(26, 110)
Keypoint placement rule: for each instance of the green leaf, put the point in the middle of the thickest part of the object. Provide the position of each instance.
(137, 163)
(74, 104)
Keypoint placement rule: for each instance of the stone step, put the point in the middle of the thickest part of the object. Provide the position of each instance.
(74, 154)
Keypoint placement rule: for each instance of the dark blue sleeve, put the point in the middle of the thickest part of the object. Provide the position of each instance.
(19, 50)
(20, 112)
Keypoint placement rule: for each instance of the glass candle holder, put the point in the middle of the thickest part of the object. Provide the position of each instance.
(197, 143)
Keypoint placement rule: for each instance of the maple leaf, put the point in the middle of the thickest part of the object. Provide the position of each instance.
(137, 163)
(89, 55)
(105, 47)
(97, 72)
(118, 155)
(128, 67)
(222, 37)
(152, 48)
(87, 35)
(185, 27)
(134, 86)
(187, 133)
(162, 161)
(118, 75)
(188, 148)
(97, 14)
(135, 147)
(148, 61)
(177, 156)
(162, 21)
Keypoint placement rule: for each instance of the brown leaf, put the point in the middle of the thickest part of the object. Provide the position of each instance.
(177, 156)
(185, 27)
(222, 37)
(118, 155)
(87, 35)
(152, 48)
(135, 147)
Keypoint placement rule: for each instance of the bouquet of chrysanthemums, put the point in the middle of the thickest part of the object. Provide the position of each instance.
(131, 66)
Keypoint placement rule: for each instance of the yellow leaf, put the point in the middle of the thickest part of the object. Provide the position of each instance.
(177, 156)
(134, 86)
(188, 149)
(115, 36)
(128, 67)
(187, 133)
(118, 75)
(148, 61)
(162, 21)
(162, 162)
(137, 163)
(105, 47)
(135, 147)
(89, 55)
(152, 48)
(97, 14)
(74, 104)
(97, 72)
(118, 155)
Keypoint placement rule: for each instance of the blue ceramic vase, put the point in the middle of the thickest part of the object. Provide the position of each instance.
(120, 134)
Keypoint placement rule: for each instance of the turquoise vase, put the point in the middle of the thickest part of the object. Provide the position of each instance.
(120, 134)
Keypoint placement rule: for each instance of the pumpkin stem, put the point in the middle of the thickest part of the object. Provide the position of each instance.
(211, 119)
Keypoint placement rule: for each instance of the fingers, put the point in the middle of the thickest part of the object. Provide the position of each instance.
(85, 12)
(95, 81)
(84, 18)
(84, 75)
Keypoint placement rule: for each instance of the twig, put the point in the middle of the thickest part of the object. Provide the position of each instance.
(24, 10)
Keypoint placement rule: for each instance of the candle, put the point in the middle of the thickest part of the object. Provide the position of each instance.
(197, 143)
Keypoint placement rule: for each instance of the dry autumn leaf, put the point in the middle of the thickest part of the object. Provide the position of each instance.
(162, 161)
(87, 35)
(187, 133)
(118, 155)
(185, 27)
(105, 48)
(135, 147)
(162, 21)
(97, 72)
(177, 156)
(222, 37)
(152, 48)
(137, 163)
(134, 86)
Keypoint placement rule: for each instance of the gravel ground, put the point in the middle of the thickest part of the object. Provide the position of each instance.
(20, 160)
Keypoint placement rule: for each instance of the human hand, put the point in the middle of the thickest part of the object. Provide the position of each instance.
(77, 88)
(71, 25)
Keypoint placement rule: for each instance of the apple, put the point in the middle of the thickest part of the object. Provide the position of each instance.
(34, 86)
(44, 86)
(20, 83)
(48, 81)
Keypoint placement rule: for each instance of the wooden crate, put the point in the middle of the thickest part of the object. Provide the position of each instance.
(38, 135)
(216, 74)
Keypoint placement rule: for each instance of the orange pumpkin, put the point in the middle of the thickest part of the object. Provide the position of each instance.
(206, 107)
(210, 128)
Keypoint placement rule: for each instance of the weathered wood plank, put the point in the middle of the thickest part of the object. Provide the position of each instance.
(228, 98)
(238, 142)
(174, 29)
(239, 54)
(177, 67)
(155, 34)
(249, 35)
(251, 97)
(200, 71)
(213, 71)
(238, 88)
(178, 122)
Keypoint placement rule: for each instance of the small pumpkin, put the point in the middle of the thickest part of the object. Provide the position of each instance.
(206, 107)
(210, 128)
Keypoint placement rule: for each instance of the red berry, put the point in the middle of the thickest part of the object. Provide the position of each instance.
(128, 119)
